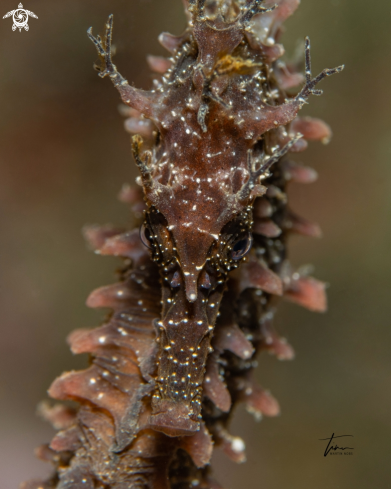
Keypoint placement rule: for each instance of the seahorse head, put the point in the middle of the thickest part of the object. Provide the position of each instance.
(198, 227)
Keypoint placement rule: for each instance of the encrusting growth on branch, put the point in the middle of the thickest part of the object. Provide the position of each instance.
(177, 353)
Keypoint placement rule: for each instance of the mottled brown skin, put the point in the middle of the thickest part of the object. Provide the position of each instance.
(191, 312)
(208, 123)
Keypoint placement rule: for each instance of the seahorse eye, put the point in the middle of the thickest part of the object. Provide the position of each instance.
(205, 281)
(242, 247)
(176, 280)
(145, 236)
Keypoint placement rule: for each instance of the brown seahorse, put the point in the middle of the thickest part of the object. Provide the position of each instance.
(196, 296)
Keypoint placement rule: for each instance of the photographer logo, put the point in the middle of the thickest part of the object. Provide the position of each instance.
(332, 447)
(20, 17)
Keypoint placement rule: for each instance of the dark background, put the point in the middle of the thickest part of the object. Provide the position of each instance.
(63, 157)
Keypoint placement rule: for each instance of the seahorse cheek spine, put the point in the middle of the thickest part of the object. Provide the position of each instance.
(191, 312)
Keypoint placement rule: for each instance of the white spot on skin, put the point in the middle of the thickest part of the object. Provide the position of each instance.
(238, 445)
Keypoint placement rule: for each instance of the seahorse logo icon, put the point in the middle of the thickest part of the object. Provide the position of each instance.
(20, 17)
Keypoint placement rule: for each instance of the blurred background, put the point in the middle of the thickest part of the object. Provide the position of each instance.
(64, 156)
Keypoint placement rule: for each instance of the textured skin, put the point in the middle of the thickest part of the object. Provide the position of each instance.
(178, 350)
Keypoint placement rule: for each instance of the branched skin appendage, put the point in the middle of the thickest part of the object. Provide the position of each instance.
(133, 97)
(196, 299)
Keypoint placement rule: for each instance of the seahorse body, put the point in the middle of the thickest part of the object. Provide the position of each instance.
(191, 312)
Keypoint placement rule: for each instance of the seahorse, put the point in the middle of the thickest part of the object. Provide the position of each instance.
(201, 278)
